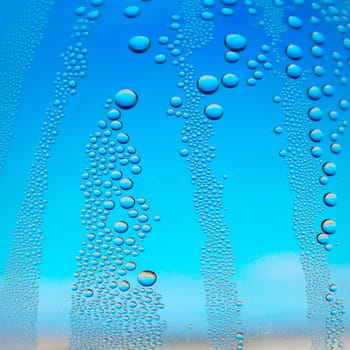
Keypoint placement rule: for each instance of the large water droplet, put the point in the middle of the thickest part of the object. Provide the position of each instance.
(126, 98)
(207, 84)
(213, 111)
(235, 42)
(329, 168)
(139, 44)
(330, 199)
(329, 226)
(147, 278)
(121, 226)
(294, 52)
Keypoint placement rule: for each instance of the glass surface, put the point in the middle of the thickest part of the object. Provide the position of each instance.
(174, 174)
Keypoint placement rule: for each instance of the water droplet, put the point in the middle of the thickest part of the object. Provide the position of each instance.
(333, 287)
(316, 151)
(328, 90)
(92, 15)
(88, 293)
(315, 113)
(278, 130)
(213, 111)
(121, 226)
(336, 148)
(132, 11)
(109, 205)
(229, 80)
(124, 286)
(317, 38)
(176, 101)
(330, 199)
(294, 52)
(316, 135)
(329, 226)
(126, 183)
(346, 43)
(322, 238)
(293, 71)
(294, 22)
(184, 152)
(147, 278)
(139, 44)
(159, 59)
(231, 56)
(207, 15)
(314, 92)
(127, 202)
(329, 168)
(235, 42)
(113, 114)
(207, 84)
(126, 98)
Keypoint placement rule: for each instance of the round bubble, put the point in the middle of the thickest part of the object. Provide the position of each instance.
(207, 84)
(88, 293)
(126, 183)
(121, 226)
(147, 278)
(231, 56)
(329, 226)
(315, 113)
(314, 92)
(318, 70)
(207, 15)
(235, 42)
(294, 22)
(316, 135)
(127, 202)
(328, 90)
(317, 38)
(213, 111)
(159, 59)
(330, 199)
(329, 168)
(109, 205)
(229, 80)
(139, 44)
(294, 52)
(113, 114)
(184, 152)
(322, 238)
(316, 151)
(176, 101)
(124, 286)
(293, 71)
(336, 148)
(126, 98)
(132, 11)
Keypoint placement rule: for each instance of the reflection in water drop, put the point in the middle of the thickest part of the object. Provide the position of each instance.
(147, 278)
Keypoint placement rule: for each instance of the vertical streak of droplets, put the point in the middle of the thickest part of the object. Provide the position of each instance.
(324, 311)
(19, 294)
(111, 308)
(223, 307)
(16, 55)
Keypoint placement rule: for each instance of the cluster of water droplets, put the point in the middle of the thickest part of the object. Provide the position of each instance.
(304, 161)
(194, 26)
(113, 304)
(16, 55)
(19, 294)
(312, 106)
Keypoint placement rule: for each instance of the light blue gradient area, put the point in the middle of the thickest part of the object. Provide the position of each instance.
(256, 192)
